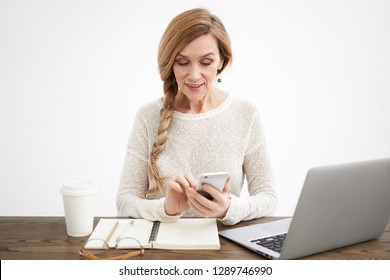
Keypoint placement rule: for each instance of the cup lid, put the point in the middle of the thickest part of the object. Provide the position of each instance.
(78, 188)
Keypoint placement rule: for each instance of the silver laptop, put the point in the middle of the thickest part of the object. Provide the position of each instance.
(339, 205)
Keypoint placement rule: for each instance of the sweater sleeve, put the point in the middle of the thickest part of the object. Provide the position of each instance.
(131, 200)
(257, 167)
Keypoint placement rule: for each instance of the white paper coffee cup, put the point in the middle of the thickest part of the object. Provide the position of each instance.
(78, 198)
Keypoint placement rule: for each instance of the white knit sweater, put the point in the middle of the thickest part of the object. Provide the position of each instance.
(228, 138)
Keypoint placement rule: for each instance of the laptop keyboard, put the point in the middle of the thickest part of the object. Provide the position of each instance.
(274, 243)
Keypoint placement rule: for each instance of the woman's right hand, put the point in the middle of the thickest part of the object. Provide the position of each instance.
(176, 198)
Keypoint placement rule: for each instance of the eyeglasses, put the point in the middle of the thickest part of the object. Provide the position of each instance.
(88, 255)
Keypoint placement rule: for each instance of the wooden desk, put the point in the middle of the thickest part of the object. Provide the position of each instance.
(45, 238)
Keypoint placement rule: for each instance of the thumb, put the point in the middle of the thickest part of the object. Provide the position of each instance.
(173, 186)
(226, 189)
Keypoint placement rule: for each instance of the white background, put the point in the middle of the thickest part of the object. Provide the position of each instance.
(74, 73)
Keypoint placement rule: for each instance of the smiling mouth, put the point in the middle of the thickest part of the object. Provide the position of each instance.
(195, 85)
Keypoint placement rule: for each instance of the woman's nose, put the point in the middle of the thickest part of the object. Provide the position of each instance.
(194, 73)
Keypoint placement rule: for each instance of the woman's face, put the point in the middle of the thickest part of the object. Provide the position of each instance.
(196, 66)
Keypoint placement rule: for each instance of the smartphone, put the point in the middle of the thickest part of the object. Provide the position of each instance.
(216, 179)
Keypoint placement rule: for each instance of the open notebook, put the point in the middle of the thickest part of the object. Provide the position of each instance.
(184, 234)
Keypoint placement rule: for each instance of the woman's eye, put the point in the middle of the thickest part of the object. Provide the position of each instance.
(182, 62)
(185, 62)
(206, 62)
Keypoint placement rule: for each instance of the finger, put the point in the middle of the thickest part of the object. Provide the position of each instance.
(216, 194)
(194, 207)
(198, 208)
(220, 203)
(173, 186)
(191, 180)
(220, 200)
(199, 200)
(182, 181)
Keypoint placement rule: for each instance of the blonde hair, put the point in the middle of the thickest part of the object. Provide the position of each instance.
(181, 31)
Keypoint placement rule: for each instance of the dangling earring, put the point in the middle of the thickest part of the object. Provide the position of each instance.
(219, 78)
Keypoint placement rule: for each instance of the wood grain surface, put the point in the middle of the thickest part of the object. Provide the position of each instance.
(45, 238)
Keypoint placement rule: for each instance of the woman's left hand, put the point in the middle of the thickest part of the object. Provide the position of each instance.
(215, 208)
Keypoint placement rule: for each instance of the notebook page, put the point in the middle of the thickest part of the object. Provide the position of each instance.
(135, 228)
(191, 233)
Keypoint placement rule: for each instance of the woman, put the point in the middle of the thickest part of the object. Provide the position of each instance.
(195, 128)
